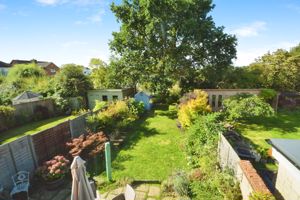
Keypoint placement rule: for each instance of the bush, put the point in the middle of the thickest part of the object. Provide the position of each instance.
(261, 196)
(87, 146)
(136, 107)
(192, 105)
(99, 105)
(20, 71)
(181, 184)
(7, 117)
(267, 94)
(204, 132)
(241, 107)
(54, 169)
(115, 118)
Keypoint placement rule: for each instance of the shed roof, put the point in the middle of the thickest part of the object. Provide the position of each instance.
(27, 95)
(289, 149)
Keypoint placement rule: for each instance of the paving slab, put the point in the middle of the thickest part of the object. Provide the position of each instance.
(154, 191)
(140, 195)
(142, 188)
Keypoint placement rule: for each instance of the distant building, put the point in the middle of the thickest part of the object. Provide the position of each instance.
(87, 70)
(108, 95)
(145, 98)
(4, 67)
(49, 67)
(25, 97)
(287, 153)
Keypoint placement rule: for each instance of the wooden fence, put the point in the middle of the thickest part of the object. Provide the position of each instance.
(28, 152)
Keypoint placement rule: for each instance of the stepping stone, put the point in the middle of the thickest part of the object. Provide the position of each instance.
(154, 191)
(140, 195)
(117, 191)
(142, 188)
(110, 197)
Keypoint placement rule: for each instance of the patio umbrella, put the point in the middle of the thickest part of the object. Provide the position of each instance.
(81, 189)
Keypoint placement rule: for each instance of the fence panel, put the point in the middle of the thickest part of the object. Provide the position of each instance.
(7, 167)
(22, 154)
(78, 125)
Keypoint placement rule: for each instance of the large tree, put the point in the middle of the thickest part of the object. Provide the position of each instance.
(279, 70)
(165, 41)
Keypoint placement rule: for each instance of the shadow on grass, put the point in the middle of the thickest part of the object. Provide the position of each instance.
(285, 121)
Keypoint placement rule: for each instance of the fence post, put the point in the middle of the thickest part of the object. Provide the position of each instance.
(108, 161)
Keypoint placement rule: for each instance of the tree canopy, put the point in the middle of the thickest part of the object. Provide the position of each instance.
(71, 82)
(161, 42)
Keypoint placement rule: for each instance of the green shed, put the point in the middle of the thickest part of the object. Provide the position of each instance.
(108, 95)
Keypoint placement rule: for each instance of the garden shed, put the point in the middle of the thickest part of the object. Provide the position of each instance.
(26, 97)
(145, 98)
(108, 95)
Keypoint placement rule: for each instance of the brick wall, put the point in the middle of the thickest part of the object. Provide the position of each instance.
(250, 181)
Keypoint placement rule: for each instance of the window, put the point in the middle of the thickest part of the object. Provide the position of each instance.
(104, 98)
(115, 97)
(52, 70)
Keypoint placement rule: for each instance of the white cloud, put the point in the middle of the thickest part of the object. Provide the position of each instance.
(96, 18)
(50, 2)
(250, 30)
(74, 43)
(245, 56)
(75, 2)
(2, 7)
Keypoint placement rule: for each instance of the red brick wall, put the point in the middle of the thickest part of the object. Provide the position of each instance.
(51, 142)
(256, 182)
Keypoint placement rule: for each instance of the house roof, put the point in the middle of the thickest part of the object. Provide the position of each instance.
(43, 64)
(27, 95)
(289, 149)
(4, 65)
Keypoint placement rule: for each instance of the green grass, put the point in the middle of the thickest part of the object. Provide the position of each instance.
(152, 151)
(31, 128)
(286, 124)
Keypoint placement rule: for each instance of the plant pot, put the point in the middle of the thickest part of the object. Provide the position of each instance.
(55, 184)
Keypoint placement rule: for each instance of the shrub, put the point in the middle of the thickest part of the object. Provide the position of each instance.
(239, 107)
(261, 196)
(99, 105)
(203, 132)
(192, 105)
(115, 118)
(87, 146)
(54, 169)
(181, 184)
(20, 71)
(6, 117)
(136, 107)
(267, 94)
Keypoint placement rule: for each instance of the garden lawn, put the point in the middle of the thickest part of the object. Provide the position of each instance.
(286, 124)
(152, 151)
(31, 128)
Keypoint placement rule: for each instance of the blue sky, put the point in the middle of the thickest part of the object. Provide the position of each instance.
(73, 31)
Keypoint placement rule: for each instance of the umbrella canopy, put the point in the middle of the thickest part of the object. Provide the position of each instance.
(81, 189)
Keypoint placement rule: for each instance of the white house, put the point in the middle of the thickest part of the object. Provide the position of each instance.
(87, 71)
(287, 153)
